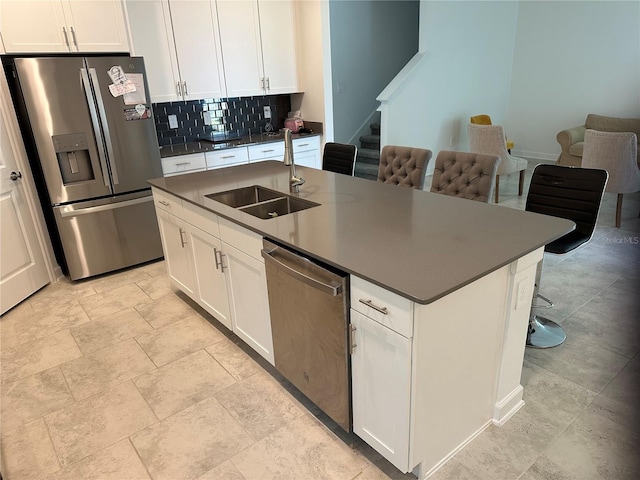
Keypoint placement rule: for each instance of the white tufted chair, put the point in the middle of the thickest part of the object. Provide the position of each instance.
(404, 166)
(465, 175)
(615, 152)
(489, 139)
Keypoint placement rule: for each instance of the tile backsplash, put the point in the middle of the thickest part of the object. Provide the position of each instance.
(218, 119)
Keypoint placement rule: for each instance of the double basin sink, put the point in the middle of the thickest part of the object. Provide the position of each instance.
(262, 202)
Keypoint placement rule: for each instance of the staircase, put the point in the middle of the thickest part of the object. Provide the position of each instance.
(368, 158)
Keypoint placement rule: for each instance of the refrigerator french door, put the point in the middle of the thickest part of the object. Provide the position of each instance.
(94, 133)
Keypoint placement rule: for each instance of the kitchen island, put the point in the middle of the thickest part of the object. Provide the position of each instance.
(442, 358)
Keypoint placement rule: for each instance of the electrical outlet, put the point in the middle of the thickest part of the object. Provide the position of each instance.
(173, 121)
(522, 292)
(267, 111)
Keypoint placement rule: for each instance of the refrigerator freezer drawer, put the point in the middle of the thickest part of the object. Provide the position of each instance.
(102, 236)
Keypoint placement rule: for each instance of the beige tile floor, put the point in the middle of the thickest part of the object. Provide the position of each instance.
(119, 377)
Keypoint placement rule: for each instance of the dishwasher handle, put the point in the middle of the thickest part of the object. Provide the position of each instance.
(333, 290)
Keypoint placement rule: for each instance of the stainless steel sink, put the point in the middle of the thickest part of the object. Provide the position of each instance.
(262, 202)
(245, 196)
(278, 207)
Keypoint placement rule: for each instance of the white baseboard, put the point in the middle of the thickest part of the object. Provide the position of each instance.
(424, 475)
(508, 406)
(547, 157)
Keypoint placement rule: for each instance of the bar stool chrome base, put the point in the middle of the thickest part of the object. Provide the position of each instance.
(544, 333)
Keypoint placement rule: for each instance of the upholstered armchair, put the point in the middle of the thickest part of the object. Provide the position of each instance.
(404, 166)
(489, 139)
(571, 140)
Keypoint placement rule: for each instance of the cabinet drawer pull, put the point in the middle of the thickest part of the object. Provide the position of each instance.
(165, 203)
(267, 151)
(183, 163)
(182, 241)
(368, 303)
(303, 145)
(228, 156)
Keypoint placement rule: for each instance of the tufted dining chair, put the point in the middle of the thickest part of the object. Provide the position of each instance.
(489, 139)
(465, 175)
(404, 166)
(615, 152)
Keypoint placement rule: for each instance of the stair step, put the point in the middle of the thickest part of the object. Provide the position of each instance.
(366, 170)
(375, 128)
(368, 155)
(370, 141)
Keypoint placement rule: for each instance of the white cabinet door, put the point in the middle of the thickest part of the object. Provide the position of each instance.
(241, 49)
(249, 302)
(381, 388)
(306, 152)
(177, 252)
(195, 31)
(96, 25)
(51, 26)
(152, 38)
(33, 26)
(210, 279)
(277, 28)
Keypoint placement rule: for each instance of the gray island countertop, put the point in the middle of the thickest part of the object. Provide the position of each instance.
(417, 244)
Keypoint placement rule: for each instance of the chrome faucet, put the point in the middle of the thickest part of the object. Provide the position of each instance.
(294, 180)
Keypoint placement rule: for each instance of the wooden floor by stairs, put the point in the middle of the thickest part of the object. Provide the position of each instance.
(368, 158)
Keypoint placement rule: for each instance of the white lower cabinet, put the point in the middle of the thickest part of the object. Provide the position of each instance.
(381, 388)
(249, 301)
(209, 275)
(306, 152)
(177, 252)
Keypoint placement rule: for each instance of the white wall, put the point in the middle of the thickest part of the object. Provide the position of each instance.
(571, 58)
(466, 71)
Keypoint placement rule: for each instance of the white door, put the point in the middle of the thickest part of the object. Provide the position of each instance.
(209, 272)
(34, 26)
(195, 30)
(177, 252)
(249, 301)
(381, 388)
(22, 265)
(96, 25)
(277, 29)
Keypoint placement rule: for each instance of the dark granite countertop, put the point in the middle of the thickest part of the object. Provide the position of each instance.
(417, 244)
(208, 146)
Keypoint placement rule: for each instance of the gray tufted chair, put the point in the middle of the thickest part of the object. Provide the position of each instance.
(404, 166)
(465, 175)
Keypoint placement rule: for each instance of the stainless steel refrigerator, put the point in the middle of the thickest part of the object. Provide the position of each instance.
(93, 132)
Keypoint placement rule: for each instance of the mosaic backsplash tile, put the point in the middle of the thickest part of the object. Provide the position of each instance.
(219, 119)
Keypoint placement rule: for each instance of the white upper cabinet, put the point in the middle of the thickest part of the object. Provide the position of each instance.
(51, 26)
(258, 46)
(180, 43)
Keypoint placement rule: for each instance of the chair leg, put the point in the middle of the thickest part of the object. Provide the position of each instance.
(521, 183)
(497, 188)
(618, 210)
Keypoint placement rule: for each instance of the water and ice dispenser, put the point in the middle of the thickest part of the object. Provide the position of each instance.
(72, 151)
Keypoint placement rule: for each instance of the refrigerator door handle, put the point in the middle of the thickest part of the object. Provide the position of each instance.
(69, 212)
(96, 126)
(105, 125)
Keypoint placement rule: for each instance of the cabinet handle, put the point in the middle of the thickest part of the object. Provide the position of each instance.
(267, 151)
(183, 163)
(222, 267)
(369, 303)
(352, 343)
(268, 84)
(66, 37)
(73, 35)
(182, 241)
(165, 203)
(178, 90)
(303, 145)
(186, 92)
(228, 156)
(262, 83)
(215, 256)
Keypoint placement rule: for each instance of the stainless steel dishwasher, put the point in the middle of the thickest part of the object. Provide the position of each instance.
(309, 307)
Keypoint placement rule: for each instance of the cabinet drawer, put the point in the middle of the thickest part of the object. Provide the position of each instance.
(306, 144)
(383, 306)
(241, 238)
(228, 156)
(183, 164)
(203, 219)
(167, 202)
(266, 151)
